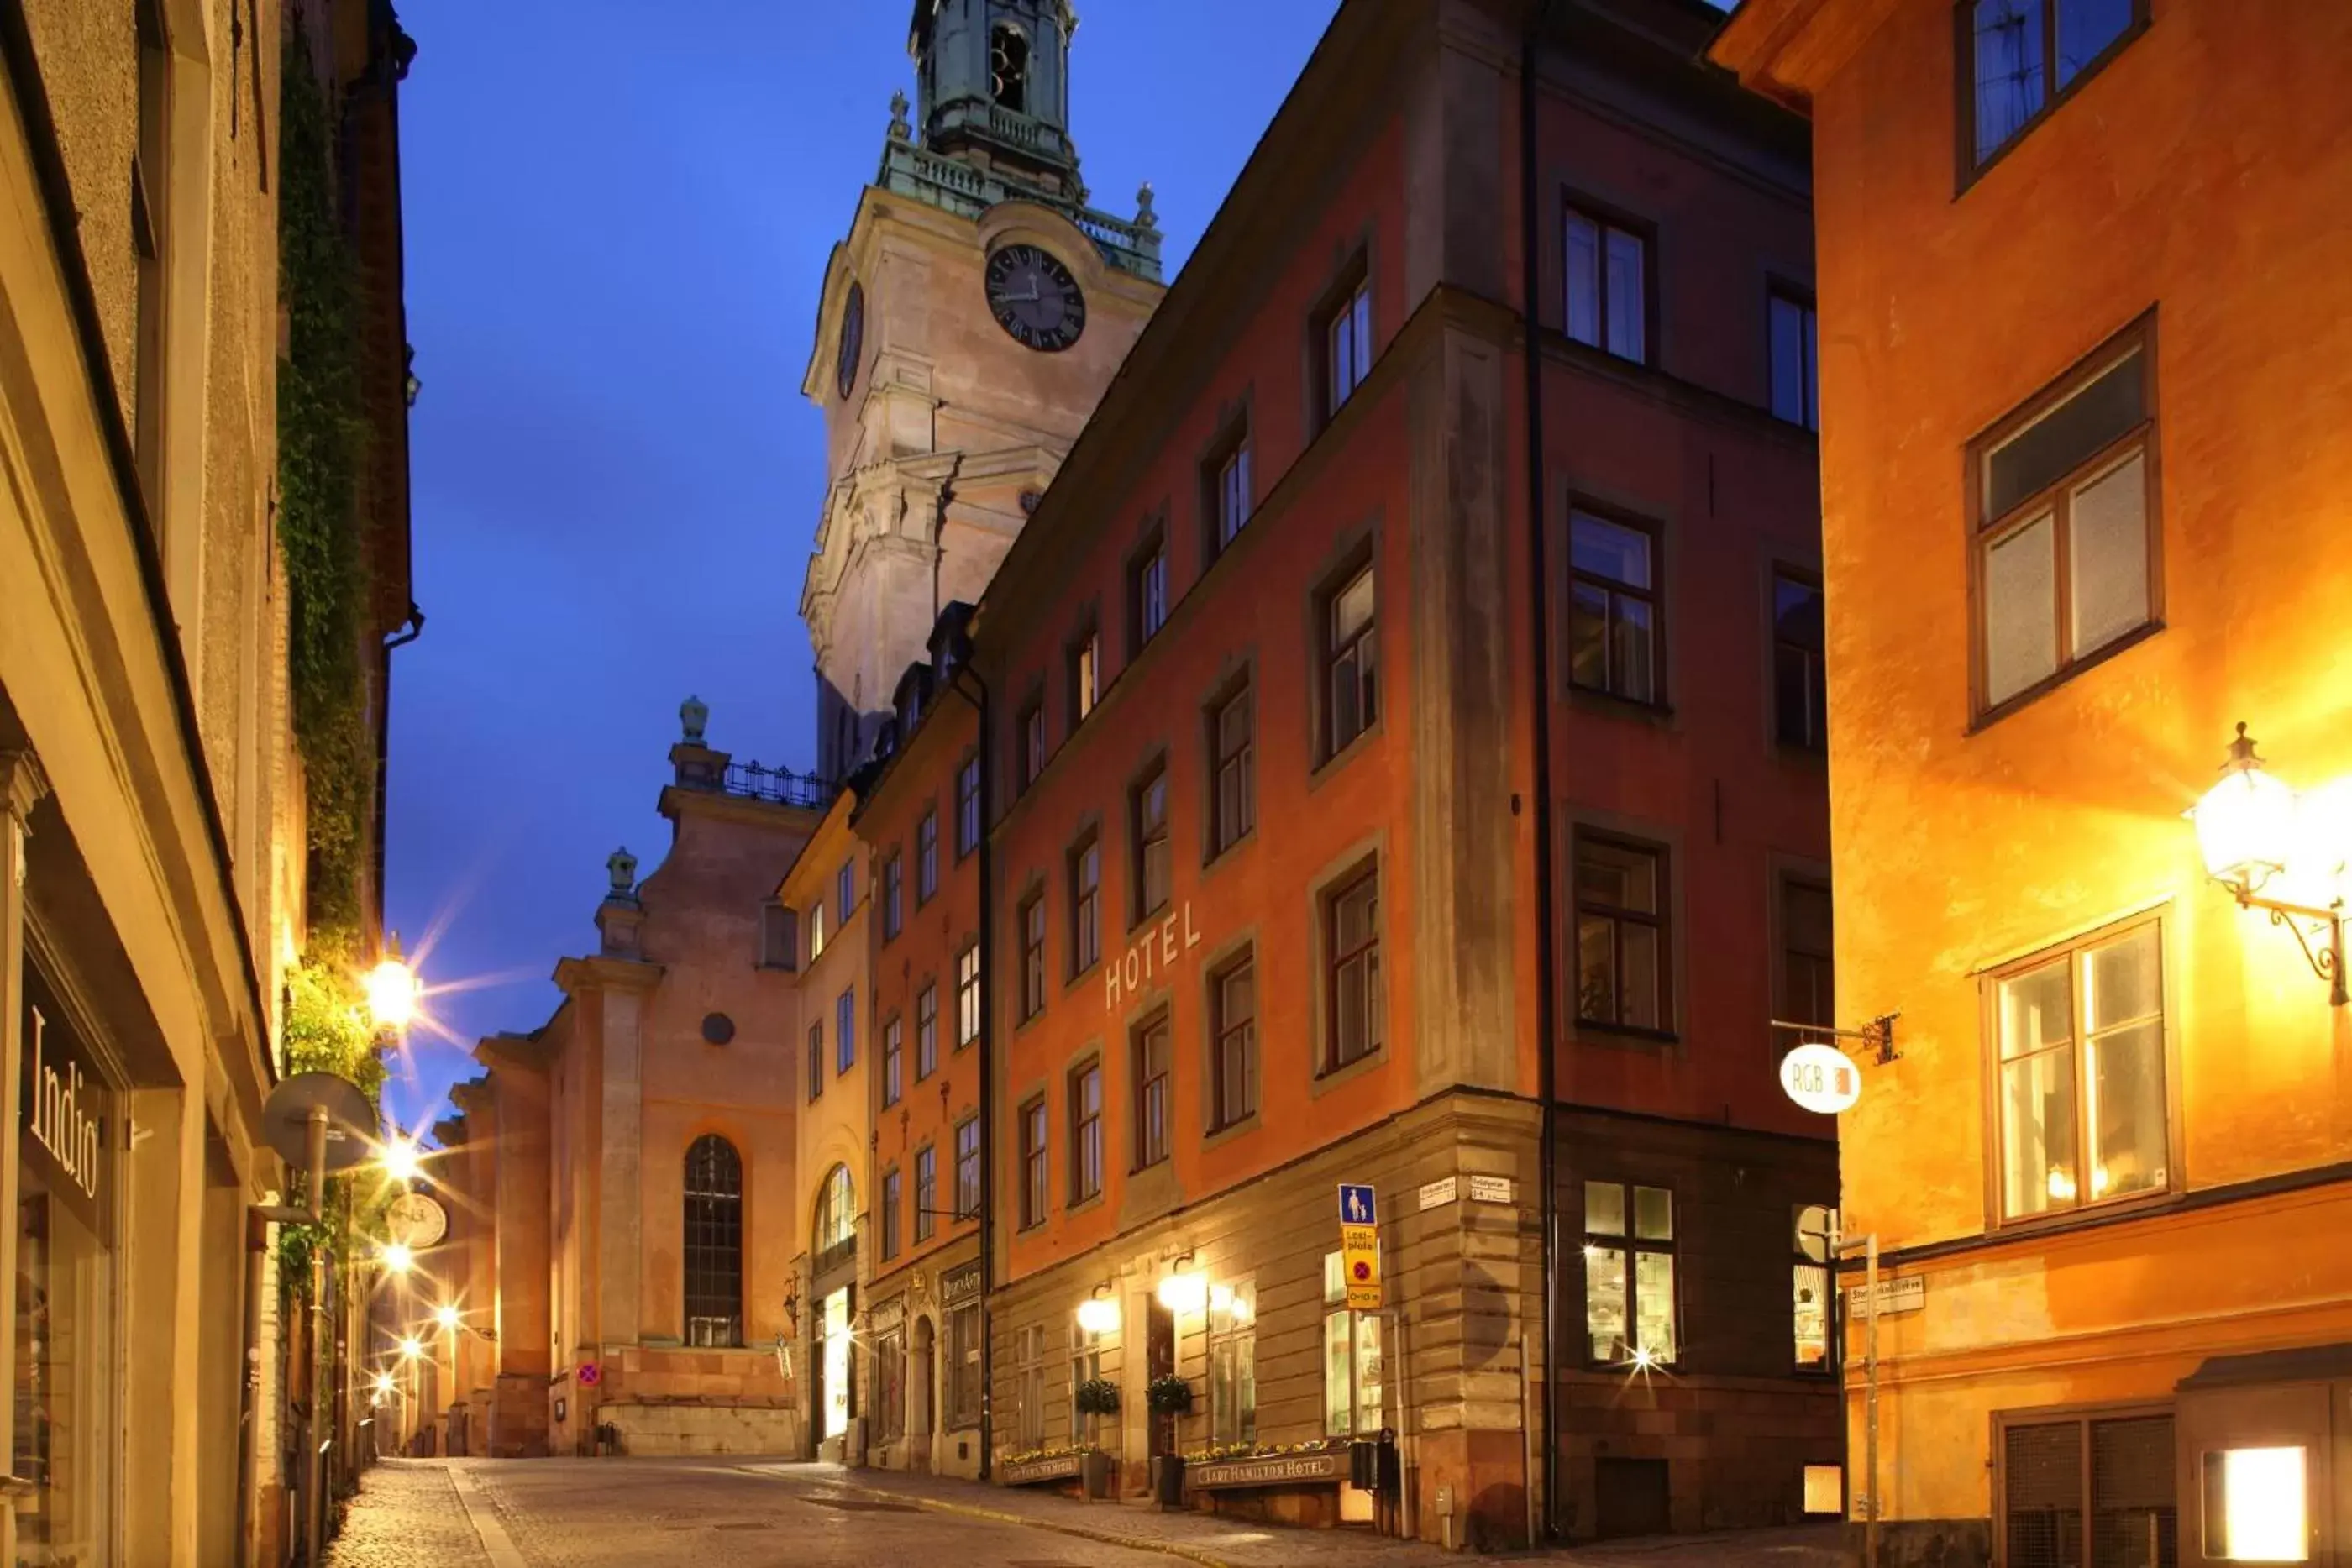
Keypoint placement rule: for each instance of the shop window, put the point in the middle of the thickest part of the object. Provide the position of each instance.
(890, 1386)
(1086, 1364)
(1629, 1274)
(67, 1354)
(968, 806)
(2065, 555)
(893, 1063)
(1233, 789)
(2022, 57)
(1153, 1064)
(1810, 1282)
(1352, 1367)
(1086, 905)
(1033, 1163)
(1029, 1386)
(1357, 999)
(926, 858)
(967, 996)
(1350, 648)
(963, 1367)
(1615, 633)
(927, 1193)
(1620, 933)
(1033, 957)
(1801, 712)
(714, 1243)
(967, 1169)
(1232, 1022)
(890, 1214)
(2080, 1040)
(1085, 1133)
(2257, 1505)
(2115, 1473)
(1232, 1362)
(1148, 808)
(927, 1030)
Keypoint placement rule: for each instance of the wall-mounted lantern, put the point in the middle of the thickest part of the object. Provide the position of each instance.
(2255, 832)
(1099, 1314)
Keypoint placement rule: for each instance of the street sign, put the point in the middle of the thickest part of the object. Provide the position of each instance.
(1816, 1231)
(590, 1375)
(1359, 1247)
(1434, 1193)
(1821, 1078)
(1490, 1189)
(1906, 1294)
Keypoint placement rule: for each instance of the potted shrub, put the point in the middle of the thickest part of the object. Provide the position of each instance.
(1169, 1397)
(1095, 1397)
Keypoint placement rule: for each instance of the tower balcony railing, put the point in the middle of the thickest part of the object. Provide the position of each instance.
(955, 186)
(778, 786)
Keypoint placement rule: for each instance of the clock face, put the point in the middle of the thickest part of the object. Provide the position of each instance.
(853, 338)
(1034, 297)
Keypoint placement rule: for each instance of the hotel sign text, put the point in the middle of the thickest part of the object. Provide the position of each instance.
(1154, 953)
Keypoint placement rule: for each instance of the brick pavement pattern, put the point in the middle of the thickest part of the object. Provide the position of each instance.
(408, 1515)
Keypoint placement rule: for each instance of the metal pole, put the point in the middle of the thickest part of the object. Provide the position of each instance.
(314, 1505)
(1870, 1400)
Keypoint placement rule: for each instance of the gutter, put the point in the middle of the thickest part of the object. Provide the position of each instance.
(1539, 575)
(987, 1046)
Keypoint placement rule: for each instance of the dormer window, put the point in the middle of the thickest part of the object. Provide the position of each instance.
(1008, 66)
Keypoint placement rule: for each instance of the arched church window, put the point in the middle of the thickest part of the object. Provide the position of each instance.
(836, 1219)
(714, 1242)
(1008, 64)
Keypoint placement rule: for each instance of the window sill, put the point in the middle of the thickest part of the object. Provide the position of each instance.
(1078, 976)
(1346, 753)
(1324, 1083)
(1592, 1032)
(1079, 1205)
(2083, 1215)
(1215, 1136)
(1150, 1165)
(2051, 682)
(1595, 700)
(1159, 912)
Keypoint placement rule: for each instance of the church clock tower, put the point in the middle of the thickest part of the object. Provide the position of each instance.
(968, 323)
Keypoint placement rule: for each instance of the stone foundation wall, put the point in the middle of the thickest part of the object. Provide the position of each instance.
(700, 1428)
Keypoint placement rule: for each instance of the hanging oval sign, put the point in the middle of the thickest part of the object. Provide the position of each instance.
(416, 1221)
(1821, 1078)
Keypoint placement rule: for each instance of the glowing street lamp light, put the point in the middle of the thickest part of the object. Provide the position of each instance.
(411, 1347)
(1098, 1314)
(397, 1257)
(400, 1158)
(447, 1317)
(2250, 826)
(392, 989)
(384, 1383)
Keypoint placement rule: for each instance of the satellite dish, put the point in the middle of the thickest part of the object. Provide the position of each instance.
(351, 1120)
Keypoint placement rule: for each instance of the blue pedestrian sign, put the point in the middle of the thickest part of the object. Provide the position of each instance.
(1357, 1206)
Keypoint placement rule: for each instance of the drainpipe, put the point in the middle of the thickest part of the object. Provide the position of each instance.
(410, 630)
(987, 1068)
(1539, 687)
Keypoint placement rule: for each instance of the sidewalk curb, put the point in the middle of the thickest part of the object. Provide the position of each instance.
(482, 1514)
(999, 1515)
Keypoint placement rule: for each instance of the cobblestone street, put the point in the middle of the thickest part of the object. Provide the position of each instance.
(653, 1513)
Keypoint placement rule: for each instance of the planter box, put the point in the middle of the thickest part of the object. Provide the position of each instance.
(1036, 1472)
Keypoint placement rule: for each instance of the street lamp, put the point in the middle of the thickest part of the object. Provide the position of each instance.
(397, 1257)
(399, 1158)
(447, 1316)
(411, 1347)
(1099, 1314)
(2250, 826)
(391, 988)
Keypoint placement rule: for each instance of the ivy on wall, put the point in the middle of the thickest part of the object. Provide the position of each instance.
(326, 1030)
(321, 443)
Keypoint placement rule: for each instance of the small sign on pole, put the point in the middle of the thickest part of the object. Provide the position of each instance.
(1821, 1078)
(1359, 1246)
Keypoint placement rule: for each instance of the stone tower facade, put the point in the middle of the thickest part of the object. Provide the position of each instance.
(968, 324)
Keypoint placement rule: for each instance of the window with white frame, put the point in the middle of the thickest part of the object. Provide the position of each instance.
(967, 996)
(1233, 1361)
(1629, 1274)
(1352, 1367)
(1346, 342)
(1794, 338)
(1608, 284)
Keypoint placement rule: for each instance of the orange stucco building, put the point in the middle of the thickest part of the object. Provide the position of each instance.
(2083, 382)
(1396, 734)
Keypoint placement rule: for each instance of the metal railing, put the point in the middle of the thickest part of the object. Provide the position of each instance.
(778, 786)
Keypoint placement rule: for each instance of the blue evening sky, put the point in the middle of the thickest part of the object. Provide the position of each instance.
(617, 217)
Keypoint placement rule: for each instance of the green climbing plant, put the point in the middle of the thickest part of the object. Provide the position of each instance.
(321, 443)
(326, 1030)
